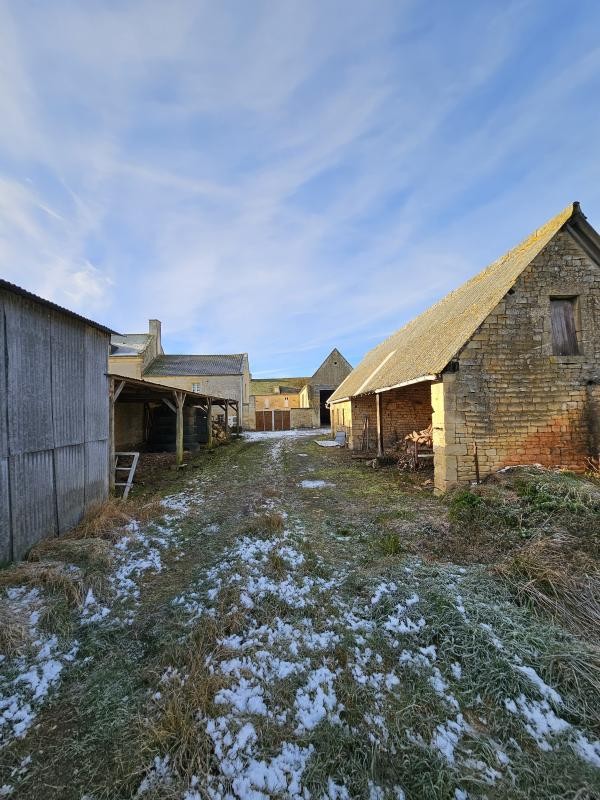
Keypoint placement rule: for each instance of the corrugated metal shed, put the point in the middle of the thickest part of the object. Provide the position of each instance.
(53, 418)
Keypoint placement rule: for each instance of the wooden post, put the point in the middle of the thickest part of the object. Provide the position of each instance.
(237, 412)
(114, 390)
(179, 401)
(227, 419)
(209, 425)
(379, 425)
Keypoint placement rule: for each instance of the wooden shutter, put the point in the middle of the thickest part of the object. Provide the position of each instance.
(564, 330)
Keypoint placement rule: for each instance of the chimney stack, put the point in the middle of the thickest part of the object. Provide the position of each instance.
(154, 328)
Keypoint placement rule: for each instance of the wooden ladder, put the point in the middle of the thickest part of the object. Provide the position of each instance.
(130, 470)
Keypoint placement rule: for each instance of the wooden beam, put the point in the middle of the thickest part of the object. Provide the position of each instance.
(179, 400)
(379, 426)
(118, 390)
(170, 405)
(226, 409)
(209, 441)
(111, 434)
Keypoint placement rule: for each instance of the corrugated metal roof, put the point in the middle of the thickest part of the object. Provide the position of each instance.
(197, 365)
(426, 345)
(14, 289)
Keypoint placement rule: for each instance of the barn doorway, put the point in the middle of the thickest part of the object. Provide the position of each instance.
(324, 412)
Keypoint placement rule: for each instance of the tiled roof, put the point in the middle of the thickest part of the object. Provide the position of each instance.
(196, 365)
(14, 289)
(426, 345)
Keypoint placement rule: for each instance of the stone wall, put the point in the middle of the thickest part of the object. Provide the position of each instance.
(129, 425)
(403, 411)
(301, 418)
(512, 397)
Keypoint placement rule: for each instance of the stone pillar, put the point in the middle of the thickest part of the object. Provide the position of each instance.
(445, 459)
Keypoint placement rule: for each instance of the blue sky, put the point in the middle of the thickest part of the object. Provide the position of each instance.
(285, 177)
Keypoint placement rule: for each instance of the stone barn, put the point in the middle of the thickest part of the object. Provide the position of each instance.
(506, 367)
(54, 419)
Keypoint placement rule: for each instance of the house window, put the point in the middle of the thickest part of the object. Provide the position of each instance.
(286, 402)
(197, 387)
(563, 316)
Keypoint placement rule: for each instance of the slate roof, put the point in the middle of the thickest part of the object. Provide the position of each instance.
(196, 365)
(426, 345)
(129, 344)
(14, 289)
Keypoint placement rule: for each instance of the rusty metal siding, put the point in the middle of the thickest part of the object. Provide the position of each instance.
(32, 500)
(69, 474)
(28, 376)
(96, 473)
(96, 385)
(5, 538)
(68, 380)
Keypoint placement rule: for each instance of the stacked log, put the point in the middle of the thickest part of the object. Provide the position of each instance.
(219, 435)
(424, 437)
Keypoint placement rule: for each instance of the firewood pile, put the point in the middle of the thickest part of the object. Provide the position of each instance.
(423, 438)
(218, 432)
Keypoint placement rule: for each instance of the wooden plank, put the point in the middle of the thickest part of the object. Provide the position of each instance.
(564, 329)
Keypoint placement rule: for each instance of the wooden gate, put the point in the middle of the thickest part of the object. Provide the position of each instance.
(273, 420)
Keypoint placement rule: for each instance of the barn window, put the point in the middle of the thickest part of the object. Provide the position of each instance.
(563, 315)
(197, 387)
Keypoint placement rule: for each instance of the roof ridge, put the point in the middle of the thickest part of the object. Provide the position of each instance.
(459, 313)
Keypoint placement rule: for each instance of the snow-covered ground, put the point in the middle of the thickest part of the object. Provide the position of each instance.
(257, 665)
(257, 436)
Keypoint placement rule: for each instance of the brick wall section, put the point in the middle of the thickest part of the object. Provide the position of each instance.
(510, 395)
(403, 411)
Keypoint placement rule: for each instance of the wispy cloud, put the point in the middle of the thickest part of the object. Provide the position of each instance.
(283, 178)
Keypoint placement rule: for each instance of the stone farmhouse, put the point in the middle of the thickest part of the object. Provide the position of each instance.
(141, 356)
(506, 368)
(286, 403)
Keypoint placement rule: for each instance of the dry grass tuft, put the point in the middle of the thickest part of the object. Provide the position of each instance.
(13, 632)
(554, 575)
(108, 521)
(269, 522)
(91, 554)
(53, 576)
(175, 726)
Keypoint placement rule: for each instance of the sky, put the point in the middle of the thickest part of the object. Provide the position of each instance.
(281, 178)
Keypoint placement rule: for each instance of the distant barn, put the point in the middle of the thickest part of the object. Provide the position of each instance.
(54, 421)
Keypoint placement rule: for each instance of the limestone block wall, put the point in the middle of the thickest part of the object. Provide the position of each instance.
(129, 425)
(510, 395)
(405, 410)
(301, 418)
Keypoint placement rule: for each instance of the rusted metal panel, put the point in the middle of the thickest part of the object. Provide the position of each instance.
(69, 472)
(96, 473)
(96, 386)
(3, 408)
(28, 383)
(32, 499)
(5, 527)
(68, 380)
